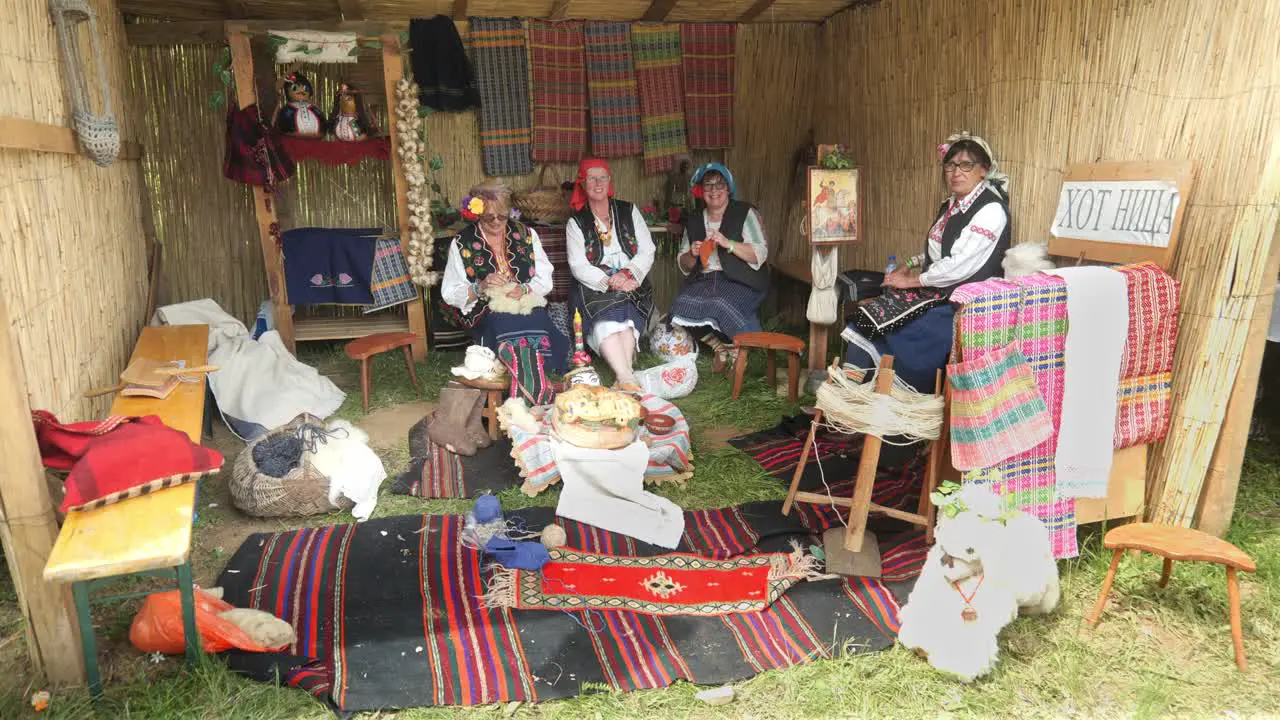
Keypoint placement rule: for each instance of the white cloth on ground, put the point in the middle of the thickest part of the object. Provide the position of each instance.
(258, 381)
(1097, 327)
(354, 470)
(605, 488)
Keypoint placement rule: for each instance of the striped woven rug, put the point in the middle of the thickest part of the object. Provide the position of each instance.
(502, 77)
(611, 84)
(658, 76)
(708, 59)
(556, 66)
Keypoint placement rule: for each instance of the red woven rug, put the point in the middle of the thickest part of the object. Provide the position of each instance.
(673, 584)
(557, 66)
(1146, 370)
(708, 53)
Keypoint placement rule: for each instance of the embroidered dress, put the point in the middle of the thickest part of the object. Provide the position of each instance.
(607, 312)
(711, 299)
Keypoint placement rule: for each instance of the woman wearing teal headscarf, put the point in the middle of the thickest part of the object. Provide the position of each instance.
(723, 254)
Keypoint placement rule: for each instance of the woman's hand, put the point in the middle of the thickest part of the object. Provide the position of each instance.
(901, 279)
(720, 239)
(493, 280)
(616, 281)
(695, 248)
(518, 292)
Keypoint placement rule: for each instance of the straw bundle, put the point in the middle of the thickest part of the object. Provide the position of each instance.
(1050, 84)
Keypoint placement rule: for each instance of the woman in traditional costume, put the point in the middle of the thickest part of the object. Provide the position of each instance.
(610, 254)
(495, 285)
(723, 253)
(913, 321)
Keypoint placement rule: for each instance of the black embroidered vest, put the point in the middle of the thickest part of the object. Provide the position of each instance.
(957, 223)
(735, 218)
(478, 258)
(624, 231)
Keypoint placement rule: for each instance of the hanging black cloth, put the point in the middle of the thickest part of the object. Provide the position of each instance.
(254, 154)
(440, 65)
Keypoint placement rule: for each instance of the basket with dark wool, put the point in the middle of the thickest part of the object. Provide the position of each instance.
(274, 477)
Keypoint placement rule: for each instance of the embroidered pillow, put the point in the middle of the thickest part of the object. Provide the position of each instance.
(132, 460)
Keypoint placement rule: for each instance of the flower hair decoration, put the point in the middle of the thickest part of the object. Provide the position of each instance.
(472, 208)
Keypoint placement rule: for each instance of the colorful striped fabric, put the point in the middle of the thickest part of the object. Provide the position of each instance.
(658, 77)
(611, 84)
(559, 91)
(391, 283)
(1146, 370)
(1030, 311)
(708, 53)
(996, 409)
(502, 77)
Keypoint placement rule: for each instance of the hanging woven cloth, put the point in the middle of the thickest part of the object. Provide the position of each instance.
(824, 299)
(99, 135)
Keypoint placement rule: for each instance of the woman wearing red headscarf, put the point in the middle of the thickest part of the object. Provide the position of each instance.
(610, 253)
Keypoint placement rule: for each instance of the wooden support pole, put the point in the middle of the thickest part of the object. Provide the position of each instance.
(1222, 483)
(560, 10)
(658, 10)
(264, 208)
(459, 9)
(350, 9)
(392, 72)
(867, 466)
(28, 528)
(757, 9)
(23, 134)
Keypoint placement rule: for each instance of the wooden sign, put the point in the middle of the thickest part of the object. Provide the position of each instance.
(1121, 212)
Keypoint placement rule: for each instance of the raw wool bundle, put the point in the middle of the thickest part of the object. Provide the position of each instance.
(523, 305)
(413, 150)
(99, 135)
(824, 300)
(1027, 259)
(850, 407)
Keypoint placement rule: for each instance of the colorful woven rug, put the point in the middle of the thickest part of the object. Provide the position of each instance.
(388, 613)
(1031, 311)
(442, 474)
(672, 584)
(708, 52)
(1146, 370)
(391, 284)
(996, 409)
(502, 77)
(611, 84)
(559, 91)
(658, 77)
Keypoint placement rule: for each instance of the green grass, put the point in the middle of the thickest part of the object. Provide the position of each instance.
(1157, 653)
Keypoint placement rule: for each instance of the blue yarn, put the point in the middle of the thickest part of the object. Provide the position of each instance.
(520, 555)
(487, 509)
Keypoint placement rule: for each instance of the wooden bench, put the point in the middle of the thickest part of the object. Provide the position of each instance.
(148, 535)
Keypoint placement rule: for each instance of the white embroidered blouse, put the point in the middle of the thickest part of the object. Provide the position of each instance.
(971, 249)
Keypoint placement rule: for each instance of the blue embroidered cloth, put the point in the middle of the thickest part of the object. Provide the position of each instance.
(325, 266)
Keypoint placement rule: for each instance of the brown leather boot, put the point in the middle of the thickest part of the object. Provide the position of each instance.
(475, 426)
(448, 426)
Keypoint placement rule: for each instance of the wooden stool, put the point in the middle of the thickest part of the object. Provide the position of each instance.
(492, 391)
(365, 348)
(770, 343)
(1178, 543)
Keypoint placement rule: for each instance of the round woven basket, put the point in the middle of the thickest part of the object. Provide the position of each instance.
(301, 491)
(544, 203)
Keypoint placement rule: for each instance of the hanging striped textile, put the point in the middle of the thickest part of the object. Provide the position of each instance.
(502, 76)
(708, 59)
(657, 51)
(611, 84)
(1146, 370)
(557, 66)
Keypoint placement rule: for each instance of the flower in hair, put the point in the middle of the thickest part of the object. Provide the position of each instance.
(942, 150)
(472, 207)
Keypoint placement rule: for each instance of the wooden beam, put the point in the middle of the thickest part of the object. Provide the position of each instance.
(756, 10)
(659, 10)
(350, 9)
(237, 10)
(23, 134)
(459, 10)
(28, 528)
(214, 32)
(560, 10)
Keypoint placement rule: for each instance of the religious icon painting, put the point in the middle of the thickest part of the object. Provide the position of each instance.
(833, 206)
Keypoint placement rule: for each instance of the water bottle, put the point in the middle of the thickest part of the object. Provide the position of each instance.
(893, 264)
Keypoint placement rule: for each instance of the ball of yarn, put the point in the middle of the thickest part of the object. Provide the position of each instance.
(554, 536)
(487, 509)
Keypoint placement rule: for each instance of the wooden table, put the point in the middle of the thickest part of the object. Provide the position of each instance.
(150, 534)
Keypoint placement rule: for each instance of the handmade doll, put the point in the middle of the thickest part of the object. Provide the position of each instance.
(298, 115)
(350, 121)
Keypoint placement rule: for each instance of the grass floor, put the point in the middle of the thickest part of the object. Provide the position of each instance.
(1157, 653)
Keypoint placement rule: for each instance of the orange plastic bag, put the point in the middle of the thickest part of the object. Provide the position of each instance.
(158, 626)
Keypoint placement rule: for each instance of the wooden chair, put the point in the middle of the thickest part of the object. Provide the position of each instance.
(492, 391)
(364, 349)
(148, 535)
(1184, 544)
(771, 343)
(859, 504)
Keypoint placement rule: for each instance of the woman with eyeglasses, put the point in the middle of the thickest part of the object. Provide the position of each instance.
(610, 254)
(723, 253)
(966, 244)
(496, 281)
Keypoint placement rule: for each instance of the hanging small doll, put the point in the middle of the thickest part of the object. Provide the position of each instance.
(298, 115)
(350, 121)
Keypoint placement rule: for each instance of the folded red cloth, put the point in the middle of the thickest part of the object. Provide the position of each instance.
(62, 444)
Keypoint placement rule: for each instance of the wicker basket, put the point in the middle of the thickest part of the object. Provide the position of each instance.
(544, 203)
(302, 491)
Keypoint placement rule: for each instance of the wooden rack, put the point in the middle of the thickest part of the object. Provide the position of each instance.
(327, 328)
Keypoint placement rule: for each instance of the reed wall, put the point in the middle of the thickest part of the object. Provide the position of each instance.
(73, 261)
(1052, 83)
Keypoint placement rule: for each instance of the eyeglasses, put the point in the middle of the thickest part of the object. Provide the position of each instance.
(715, 186)
(598, 179)
(964, 167)
(491, 219)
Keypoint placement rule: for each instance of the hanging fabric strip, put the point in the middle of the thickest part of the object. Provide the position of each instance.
(708, 60)
(502, 75)
(657, 51)
(611, 82)
(559, 91)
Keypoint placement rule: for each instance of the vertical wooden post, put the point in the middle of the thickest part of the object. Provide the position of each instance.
(246, 95)
(28, 528)
(392, 71)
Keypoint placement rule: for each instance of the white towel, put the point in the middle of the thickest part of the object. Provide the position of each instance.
(315, 46)
(1097, 326)
(605, 488)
